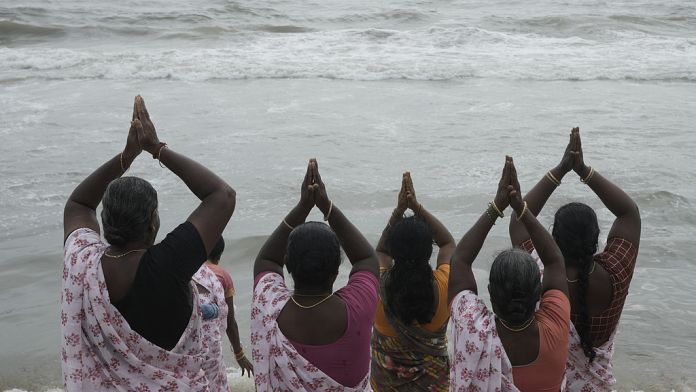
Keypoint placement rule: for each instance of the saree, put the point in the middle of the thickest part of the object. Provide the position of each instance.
(414, 360)
(581, 375)
(99, 351)
(213, 330)
(277, 364)
(479, 361)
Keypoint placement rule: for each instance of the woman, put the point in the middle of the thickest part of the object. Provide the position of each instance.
(598, 283)
(312, 338)
(409, 346)
(515, 347)
(127, 316)
(216, 287)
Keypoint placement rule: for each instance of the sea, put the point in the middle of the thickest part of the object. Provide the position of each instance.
(441, 88)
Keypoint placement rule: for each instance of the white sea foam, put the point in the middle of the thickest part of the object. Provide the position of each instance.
(433, 53)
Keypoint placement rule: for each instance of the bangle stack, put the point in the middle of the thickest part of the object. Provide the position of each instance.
(238, 356)
(588, 177)
(493, 211)
(553, 178)
(524, 211)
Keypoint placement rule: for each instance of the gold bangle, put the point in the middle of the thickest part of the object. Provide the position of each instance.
(524, 211)
(288, 225)
(328, 214)
(239, 355)
(552, 178)
(159, 153)
(497, 210)
(589, 176)
(123, 171)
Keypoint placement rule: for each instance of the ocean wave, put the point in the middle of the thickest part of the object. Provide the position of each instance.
(434, 53)
(15, 31)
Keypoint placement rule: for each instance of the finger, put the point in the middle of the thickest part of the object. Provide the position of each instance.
(317, 176)
(308, 175)
(135, 108)
(577, 135)
(143, 110)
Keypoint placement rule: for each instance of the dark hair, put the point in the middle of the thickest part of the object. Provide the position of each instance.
(127, 210)
(576, 231)
(409, 286)
(515, 286)
(314, 255)
(217, 250)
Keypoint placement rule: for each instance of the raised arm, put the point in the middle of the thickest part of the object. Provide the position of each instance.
(549, 253)
(442, 237)
(217, 198)
(537, 197)
(81, 208)
(461, 275)
(385, 258)
(271, 257)
(358, 250)
(627, 223)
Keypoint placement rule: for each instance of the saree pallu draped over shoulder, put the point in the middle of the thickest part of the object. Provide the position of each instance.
(277, 364)
(99, 350)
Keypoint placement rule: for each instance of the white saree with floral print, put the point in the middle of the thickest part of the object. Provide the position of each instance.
(278, 367)
(479, 362)
(99, 350)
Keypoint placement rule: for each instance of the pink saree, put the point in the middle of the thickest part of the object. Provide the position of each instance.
(277, 364)
(213, 330)
(99, 350)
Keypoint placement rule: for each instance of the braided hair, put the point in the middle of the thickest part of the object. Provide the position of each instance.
(514, 285)
(576, 231)
(409, 284)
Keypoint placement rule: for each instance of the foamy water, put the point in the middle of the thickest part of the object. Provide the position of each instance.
(443, 89)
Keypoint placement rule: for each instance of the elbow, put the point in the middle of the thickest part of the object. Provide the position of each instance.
(229, 198)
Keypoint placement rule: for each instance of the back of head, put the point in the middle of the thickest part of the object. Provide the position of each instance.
(408, 285)
(314, 255)
(127, 209)
(515, 285)
(217, 250)
(576, 232)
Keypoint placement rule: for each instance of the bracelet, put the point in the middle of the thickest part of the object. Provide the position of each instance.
(239, 355)
(288, 225)
(328, 214)
(491, 213)
(552, 178)
(589, 176)
(524, 211)
(121, 160)
(158, 152)
(497, 210)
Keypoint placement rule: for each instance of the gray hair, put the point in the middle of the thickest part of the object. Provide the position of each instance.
(127, 210)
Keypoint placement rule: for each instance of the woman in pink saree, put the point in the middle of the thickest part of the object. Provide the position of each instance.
(312, 338)
(598, 282)
(127, 315)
